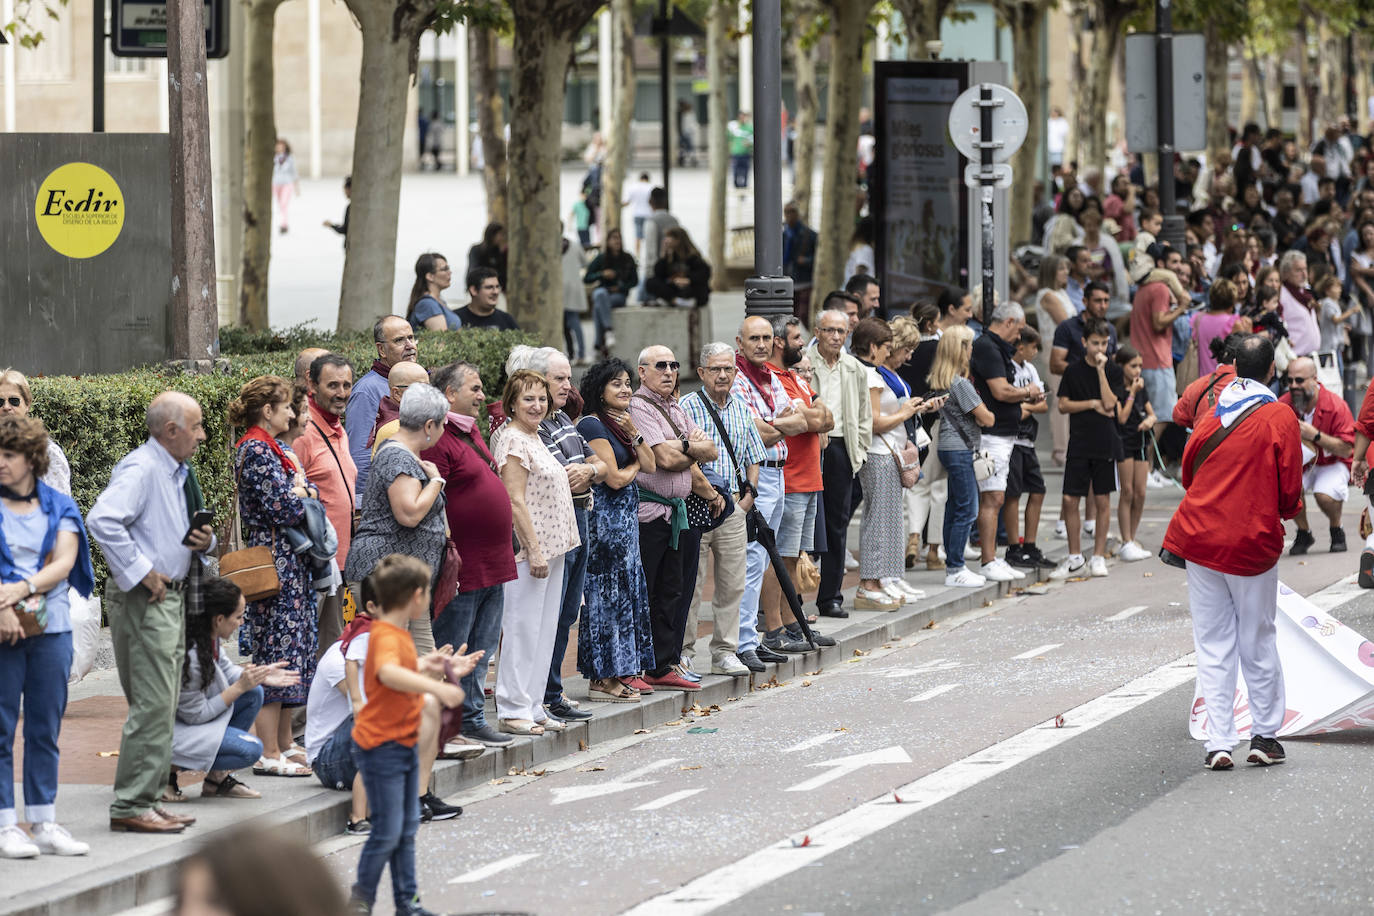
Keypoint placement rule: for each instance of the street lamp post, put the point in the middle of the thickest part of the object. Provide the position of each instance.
(1173, 231)
(769, 291)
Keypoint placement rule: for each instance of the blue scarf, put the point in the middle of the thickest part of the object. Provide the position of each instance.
(56, 507)
(894, 381)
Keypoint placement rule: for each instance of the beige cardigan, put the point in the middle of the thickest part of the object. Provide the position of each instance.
(844, 389)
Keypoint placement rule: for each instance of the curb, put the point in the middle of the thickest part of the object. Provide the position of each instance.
(152, 876)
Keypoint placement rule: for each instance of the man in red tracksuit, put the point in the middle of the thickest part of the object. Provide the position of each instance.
(1359, 476)
(1229, 529)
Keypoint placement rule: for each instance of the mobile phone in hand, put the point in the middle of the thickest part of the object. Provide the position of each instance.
(202, 518)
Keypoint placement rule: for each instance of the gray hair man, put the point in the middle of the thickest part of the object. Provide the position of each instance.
(395, 342)
(141, 522)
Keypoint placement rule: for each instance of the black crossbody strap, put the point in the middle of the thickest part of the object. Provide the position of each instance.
(744, 486)
(342, 476)
(659, 407)
(1216, 438)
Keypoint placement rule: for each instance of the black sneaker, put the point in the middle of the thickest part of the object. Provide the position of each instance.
(358, 907)
(820, 638)
(785, 642)
(835, 611)
(1338, 540)
(1016, 556)
(1034, 557)
(750, 659)
(767, 655)
(359, 828)
(1218, 760)
(1366, 578)
(438, 809)
(1301, 542)
(561, 710)
(1265, 752)
(414, 909)
(487, 736)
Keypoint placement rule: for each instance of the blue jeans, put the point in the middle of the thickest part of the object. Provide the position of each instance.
(474, 618)
(603, 300)
(769, 504)
(572, 334)
(37, 668)
(961, 505)
(391, 776)
(574, 575)
(239, 748)
(739, 166)
(334, 766)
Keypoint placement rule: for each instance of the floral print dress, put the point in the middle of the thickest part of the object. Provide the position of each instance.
(281, 628)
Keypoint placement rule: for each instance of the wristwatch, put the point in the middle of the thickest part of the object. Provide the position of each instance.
(1315, 436)
(638, 440)
(32, 589)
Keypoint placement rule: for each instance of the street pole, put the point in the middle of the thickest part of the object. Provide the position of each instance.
(986, 182)
(665, 90)
(98, 69)
(769, 291)
(1173, 231)
(194, 312)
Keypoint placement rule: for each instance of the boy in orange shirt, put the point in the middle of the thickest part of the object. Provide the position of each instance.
(387, 728)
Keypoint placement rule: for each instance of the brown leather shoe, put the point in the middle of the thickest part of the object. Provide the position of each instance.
(147, 822)
(184, 820)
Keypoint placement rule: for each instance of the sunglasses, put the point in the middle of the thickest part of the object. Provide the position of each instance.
(14, 400)
(664, 365)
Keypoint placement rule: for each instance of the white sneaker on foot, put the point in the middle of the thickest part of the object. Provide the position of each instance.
(1061, 533)
(890, 588)
(905, 588)
(849, 561)
(999, 571)
(1157, 481)
(1069, 566)
(972, 554)
(16, 844)
(54, 840)
(963, 577)
(1097, 566)
(1090, 528)
(729, 666)
(1131, 552)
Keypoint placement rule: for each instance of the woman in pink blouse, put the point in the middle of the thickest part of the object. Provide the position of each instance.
(545, 530)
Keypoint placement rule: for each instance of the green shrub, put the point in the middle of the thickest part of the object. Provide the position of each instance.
(97, 419)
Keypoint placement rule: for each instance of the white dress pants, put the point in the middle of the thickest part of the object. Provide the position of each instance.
(528, 627)
(1233, 626)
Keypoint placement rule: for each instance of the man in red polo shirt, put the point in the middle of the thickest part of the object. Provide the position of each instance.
(1328, 442)
(1228, 530)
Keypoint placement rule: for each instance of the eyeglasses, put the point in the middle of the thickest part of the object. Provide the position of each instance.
(832, 330)
(14, 400)
(664, 365)
(727, 370)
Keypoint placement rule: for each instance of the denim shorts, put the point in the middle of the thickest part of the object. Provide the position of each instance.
(797, 533)
(334, 765)
(1162, 386)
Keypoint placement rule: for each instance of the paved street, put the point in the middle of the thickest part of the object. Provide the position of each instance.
(783, 802)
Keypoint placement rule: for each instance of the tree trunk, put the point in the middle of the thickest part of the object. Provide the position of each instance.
(1079, 87)
(848, 21)
(491, 122)
(1249, 91)
(1364, 80)
(1215, 68)
(1273, 90)
(1027, 22)
(391, 36)
(618, 156)
(808, 105)
(544, 35)
(1330, 73)
(921, 19)
(717, 18)
(1304, 131)
(259, 138)
(1106, 40)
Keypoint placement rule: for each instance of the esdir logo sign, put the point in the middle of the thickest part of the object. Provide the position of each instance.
(79, 210)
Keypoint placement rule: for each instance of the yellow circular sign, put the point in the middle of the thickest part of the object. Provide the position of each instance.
(79, 210)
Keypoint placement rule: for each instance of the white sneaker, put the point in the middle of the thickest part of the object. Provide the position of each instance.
(963, 577)
(1068, 566)
(610, 339)
(940, 552)
(1097, 566)
(1157, 481)
(972, 554)
(54, 840)
(849, 561)
(890, 588)
(1132, 552)
(16, 844)
(1061, 533)
(1090, 528)
(904, 587)
(999, 571)
(729, 666)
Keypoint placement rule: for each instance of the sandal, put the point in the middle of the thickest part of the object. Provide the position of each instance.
(552, 724)
(173, 793)
(228, 787)
(611, 690)
(519, 727)
(280, 766)
(296, 751)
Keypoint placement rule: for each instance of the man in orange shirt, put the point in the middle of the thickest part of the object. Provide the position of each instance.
(323, 450)
(387, 728)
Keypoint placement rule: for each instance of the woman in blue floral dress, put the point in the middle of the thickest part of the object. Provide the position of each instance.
(281, 629)
(614, 639)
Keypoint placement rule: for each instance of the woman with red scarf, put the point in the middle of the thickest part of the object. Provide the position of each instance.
(282, 628)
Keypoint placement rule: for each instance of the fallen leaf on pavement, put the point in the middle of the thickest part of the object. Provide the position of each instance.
(674, 722)
(930, 626)
(641, 731)
(537, 772)
(841, 729)
(806, 683)
(497, 782)
(861, 652)
(108, 754)
(813, 673)
(581, 745)
(697, 767)
(591, 769)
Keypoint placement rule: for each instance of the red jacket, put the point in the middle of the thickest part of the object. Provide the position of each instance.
(1332, 418)
(1230, 518)
(1194, 399)
(1364, 423)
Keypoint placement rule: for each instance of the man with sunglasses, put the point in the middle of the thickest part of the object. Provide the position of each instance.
(1328, 447)
(678, 445)
(843, 387)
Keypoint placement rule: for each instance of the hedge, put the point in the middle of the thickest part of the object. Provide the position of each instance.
(97, 419)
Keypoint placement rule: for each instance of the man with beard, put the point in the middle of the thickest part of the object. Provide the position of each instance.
(1328, 445)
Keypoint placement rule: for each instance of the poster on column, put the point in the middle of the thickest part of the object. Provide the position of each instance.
(1328, 674)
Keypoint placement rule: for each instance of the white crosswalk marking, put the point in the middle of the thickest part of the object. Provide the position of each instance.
(1129, 612)
(493, 868)
(932, 693)
(1038, 650)
(669, 799)
(813, 741)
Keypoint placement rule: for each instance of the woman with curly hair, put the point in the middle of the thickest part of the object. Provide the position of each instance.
(282, 628)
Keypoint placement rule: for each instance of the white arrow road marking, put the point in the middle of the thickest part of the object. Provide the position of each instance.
(1038, 650)
(1129, 612)
(564, 794)
(669, 799)
(937, 664)
(814, 741)
(843, 766)
(932, 693)
(494, 868)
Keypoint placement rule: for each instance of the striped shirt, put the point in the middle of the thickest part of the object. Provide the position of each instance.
(753, 399)
(744, 436)
(566, 444)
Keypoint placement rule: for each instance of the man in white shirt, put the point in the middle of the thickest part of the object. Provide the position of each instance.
(1056, 135)
(637, 199)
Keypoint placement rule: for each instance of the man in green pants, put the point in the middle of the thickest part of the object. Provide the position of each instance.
(142, 524)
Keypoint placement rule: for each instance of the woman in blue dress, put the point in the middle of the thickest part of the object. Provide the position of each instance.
(614, 639)
(282, 628)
